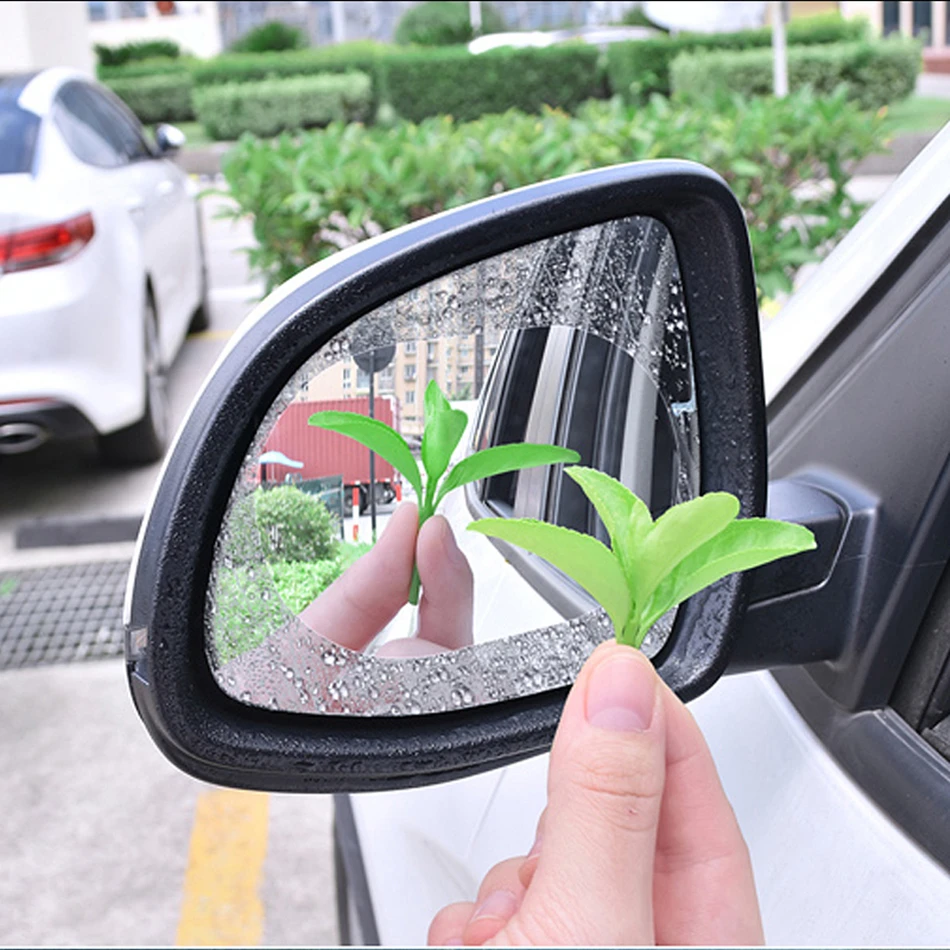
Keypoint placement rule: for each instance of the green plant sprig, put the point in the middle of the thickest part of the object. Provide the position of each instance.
(441, 434)
(651, 566)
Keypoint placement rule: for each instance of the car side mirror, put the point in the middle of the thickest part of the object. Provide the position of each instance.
(612, 314)
(169, 138)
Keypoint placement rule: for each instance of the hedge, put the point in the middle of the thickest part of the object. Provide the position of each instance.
(642, 67)
(132, 52)
(266, 108)
(875, 74)
(452, 81)
(158, 66)
(159, 98)
(294, 187)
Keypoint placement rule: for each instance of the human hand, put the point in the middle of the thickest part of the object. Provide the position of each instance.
(361, 602)
(637, 845)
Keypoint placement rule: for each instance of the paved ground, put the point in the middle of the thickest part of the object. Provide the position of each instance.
(103, 842)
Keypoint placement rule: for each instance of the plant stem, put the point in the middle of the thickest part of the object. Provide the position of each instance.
(414, 586)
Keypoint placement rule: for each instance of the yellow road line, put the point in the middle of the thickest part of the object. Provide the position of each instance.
(211, 335)
(222, 902)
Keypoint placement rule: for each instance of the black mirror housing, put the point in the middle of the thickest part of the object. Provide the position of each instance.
(218, 739)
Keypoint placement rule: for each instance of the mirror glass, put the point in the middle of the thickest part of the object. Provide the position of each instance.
(578, 341)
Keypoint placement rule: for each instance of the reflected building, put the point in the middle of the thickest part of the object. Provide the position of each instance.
(460, 365)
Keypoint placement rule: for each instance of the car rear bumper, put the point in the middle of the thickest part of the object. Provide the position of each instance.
(71, 334)
(26, 425)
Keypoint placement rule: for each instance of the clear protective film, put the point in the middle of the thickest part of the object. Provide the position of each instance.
(580, 341)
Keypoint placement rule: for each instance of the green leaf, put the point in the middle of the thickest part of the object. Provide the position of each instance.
(625, 516)
(502, 458)
(677, 533)
(377, 437)
(740, 546)
(444, 428)
(580, 556)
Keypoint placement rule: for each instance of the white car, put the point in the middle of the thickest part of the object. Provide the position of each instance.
(101, 268)
(844, 799)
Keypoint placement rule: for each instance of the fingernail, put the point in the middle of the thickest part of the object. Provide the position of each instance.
(453, 942)
(501, 904)
(621, 693)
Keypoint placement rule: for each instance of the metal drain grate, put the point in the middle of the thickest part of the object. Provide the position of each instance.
(61, 614)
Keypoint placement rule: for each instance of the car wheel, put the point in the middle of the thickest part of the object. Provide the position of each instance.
(144, 441)
(201, 318)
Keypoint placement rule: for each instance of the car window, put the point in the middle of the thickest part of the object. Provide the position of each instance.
(96, 131)
(18, 134)
(126, 127)
(578, 390)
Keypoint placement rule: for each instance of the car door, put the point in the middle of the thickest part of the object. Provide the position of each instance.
(172, 254)
(839, 772)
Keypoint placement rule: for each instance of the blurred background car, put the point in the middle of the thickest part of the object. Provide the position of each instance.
(101, 268)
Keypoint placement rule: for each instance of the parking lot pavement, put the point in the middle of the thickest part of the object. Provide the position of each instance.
(99, 831)
(103, 841)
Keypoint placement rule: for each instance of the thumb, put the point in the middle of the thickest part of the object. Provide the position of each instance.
(594, 878)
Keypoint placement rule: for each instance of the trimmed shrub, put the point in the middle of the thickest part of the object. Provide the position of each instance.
(295, 526)
(361, 56)
(160, 66)
(250, 67)
(642, 67)
(272, 36)
(454, 82)
(133, 52)
(443, 23)
(157, 98)
(763, 148)
(266, 108)
(874, 74)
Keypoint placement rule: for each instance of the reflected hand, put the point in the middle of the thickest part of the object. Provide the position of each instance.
(355, 607)
(637, 845)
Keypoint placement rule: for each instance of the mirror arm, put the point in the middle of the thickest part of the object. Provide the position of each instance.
(808, 608)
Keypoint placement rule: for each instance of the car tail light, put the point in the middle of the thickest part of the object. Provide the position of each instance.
(49, 244)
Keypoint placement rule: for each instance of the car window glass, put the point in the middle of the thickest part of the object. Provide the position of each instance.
(18, 134)
(85, 130)
(125, 127)
(95, 129)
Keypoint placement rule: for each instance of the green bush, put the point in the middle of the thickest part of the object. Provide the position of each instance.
(159, 66)
(361, 56)
(159, 98)
(266, 108)
(874, 74)
(273, 36)
(133, 52)
(642, 67)
(251, 67)
(295, 526)
(252, 602)
(442, 23)
(454, 82)
(763, 148)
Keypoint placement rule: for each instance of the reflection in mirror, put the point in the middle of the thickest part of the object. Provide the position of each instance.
(580, 341)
